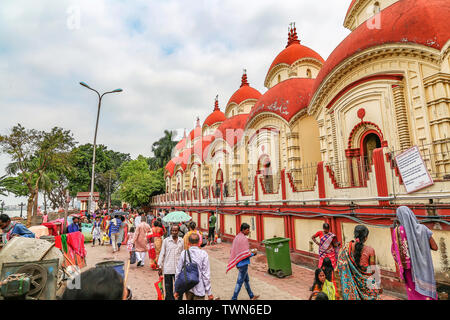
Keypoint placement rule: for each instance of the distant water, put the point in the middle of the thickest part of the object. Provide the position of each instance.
(16, 213)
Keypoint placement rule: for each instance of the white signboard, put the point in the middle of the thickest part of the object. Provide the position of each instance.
(412, 168)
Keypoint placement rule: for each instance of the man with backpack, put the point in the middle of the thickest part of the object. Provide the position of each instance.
(194, 255)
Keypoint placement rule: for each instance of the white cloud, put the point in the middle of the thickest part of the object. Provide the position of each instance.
(171, 58)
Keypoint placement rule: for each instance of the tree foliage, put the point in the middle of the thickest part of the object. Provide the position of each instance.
(107, 162)
(138, 183)
(33, 153)
(162, 150)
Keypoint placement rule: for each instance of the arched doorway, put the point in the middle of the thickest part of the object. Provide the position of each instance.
(369, 142)
(265, 168)
(219, 182)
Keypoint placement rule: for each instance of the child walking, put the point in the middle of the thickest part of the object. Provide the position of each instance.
(130, 245)
(96, 231)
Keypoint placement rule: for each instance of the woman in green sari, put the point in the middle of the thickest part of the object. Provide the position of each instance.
(321, 284)
(356, 268)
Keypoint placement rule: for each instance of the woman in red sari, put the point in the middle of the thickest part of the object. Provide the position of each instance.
(328, 245)
(154, 238)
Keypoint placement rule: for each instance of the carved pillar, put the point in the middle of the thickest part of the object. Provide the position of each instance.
(294, 157)
(335, 147)
(401, 117)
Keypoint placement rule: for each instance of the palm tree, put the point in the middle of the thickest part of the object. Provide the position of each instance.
(3, 186)
(162, 149)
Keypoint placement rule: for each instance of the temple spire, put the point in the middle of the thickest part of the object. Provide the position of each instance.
(216, 104)
(184, 135)
(198, 122)
(292, 35)
(244, 81)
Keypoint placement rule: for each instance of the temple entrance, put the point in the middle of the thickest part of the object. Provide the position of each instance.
(369, 143)
(265, 168)
(219, 182)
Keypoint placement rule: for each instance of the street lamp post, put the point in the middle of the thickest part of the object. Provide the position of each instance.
(21, 208)
(91, 195)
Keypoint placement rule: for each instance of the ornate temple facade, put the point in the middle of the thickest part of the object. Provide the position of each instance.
(320, 145)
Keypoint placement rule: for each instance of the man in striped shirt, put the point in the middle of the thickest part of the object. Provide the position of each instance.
(168, 259)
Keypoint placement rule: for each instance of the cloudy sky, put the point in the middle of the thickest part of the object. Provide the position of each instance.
(171, 58)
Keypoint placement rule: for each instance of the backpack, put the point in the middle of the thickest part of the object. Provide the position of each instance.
(188, 277)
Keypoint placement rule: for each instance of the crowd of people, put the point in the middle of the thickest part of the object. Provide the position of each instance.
(349, 273)
(344, 272)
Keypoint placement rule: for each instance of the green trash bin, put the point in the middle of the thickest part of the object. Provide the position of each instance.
(278, 256)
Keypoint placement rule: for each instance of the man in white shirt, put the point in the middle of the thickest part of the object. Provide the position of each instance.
(138, 219)
(168, 260)
(200, 257)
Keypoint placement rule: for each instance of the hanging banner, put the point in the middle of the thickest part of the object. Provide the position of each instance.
(413, 170)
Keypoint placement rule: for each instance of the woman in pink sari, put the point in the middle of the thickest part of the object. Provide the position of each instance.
(328, 245)
(411, 244)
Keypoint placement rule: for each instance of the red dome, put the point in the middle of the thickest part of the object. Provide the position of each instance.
(294, 51)
(232, 130)
(170, 166)
(245, 92)
(213, 118)
(423, 22)
(180, 145)
(285, 99)
(201, 145)
(183, 159)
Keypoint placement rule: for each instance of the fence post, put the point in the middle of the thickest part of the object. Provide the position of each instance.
(236, 191)
(380, 174)
(321, 182)
(283, 186)
(256, 188)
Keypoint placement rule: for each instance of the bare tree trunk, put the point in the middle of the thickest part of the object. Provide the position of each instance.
(30, 203)
(45, 203)
(35, 205)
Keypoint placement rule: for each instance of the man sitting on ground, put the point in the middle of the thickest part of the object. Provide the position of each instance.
(13, 228)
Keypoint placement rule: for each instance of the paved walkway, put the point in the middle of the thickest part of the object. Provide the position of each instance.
(141, 280)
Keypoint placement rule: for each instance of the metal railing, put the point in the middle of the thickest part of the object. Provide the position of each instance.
(303, 178)
(351, 172)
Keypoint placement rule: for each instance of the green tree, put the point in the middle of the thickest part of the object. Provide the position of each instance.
(138, 182)
(106, 162)
(32, 153)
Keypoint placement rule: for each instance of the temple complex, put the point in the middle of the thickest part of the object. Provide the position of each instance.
(325, 142)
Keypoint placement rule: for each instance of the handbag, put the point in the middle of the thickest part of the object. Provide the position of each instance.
(188, 277)
(133, 257)
(204, 241)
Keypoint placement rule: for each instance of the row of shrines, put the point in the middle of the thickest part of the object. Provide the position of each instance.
(326, 133)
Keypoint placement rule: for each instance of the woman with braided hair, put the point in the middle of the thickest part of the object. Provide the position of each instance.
(357, 282)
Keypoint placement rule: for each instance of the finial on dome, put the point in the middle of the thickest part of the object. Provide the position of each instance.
(184, 135)
(292, 36)
(244, 81)
(216, 103)
(198, 122)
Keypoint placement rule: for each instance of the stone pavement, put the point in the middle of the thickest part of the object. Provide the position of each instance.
(141, 280)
